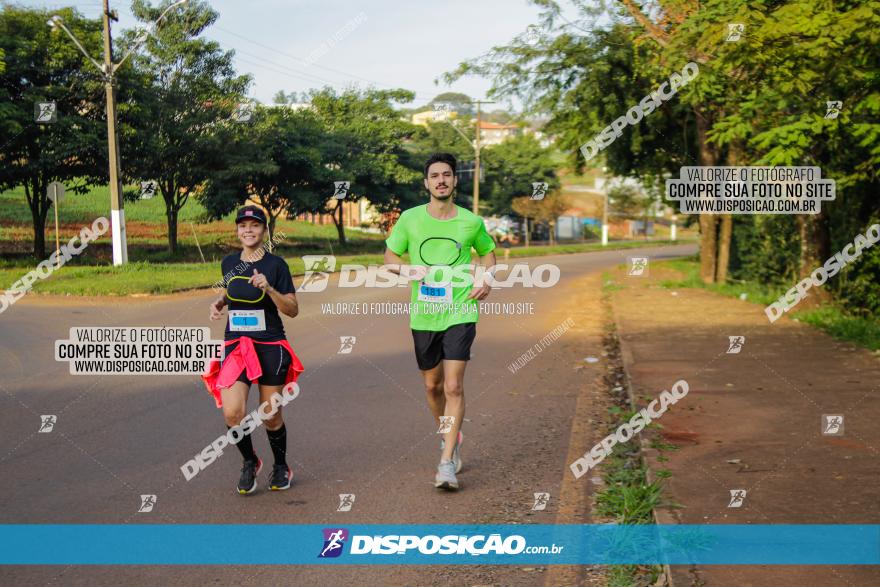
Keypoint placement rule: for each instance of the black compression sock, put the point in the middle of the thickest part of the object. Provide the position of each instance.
(278, 442)
(246, 447)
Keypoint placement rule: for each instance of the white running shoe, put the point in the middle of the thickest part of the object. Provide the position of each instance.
(456, 452)
(445, 477)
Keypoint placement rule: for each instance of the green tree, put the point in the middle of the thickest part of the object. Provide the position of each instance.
(547, 210)
(44, 66)
(629, 201)
(276, 161)
(366, 146)
(461, 102)
(584, 78)
(191, 90)
(499, 117)
(778, 95)
(511, 168)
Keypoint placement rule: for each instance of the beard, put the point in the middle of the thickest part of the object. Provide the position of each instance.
(443, 197)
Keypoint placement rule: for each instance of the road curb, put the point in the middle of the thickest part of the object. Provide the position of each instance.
(645, 450)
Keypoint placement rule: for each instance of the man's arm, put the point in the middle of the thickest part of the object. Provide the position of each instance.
(481, 292)
(393, 261)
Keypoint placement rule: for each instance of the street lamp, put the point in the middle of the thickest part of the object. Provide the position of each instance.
(108, 69)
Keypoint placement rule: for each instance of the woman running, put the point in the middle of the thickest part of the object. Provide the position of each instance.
(258, 284)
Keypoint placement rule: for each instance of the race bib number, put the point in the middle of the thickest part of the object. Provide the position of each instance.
(438, 293)
(247, 320)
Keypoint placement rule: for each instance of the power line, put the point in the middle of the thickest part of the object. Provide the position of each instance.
(291, 73)
(288, 56)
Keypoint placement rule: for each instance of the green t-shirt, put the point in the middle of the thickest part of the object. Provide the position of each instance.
(437, 304)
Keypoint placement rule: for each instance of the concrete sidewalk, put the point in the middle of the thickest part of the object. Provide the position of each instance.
(753, 421)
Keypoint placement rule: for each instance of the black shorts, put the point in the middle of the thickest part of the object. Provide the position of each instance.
(274, 360)
(453, 344)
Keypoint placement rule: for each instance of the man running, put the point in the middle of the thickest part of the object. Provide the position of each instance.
(438, 236)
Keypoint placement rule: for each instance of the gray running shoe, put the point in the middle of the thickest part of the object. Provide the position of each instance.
(445, 477)
(456, 452)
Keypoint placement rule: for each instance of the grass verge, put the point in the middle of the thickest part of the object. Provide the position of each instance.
(832, 319)
(144, 277)
(627, 496)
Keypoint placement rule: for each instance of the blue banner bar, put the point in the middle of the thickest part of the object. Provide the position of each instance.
(240, 544)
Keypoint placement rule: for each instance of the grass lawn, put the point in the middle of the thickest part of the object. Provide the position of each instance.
(153, 270)
(146, 231)
(162, 278)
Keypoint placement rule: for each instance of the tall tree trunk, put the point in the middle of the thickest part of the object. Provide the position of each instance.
(708, 222)
(708, 247)
(340, 227)
(815, 249)
(734, 158)
(39, 204)
(724, 239)
(171, 214)
(528, 232)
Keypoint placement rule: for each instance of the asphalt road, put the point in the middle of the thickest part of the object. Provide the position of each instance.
(360, 425)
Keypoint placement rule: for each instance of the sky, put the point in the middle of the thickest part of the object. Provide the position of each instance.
(295, 45)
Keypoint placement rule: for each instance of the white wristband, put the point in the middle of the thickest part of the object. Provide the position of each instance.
(489, 278)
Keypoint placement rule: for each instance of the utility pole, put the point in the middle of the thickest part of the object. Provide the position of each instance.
(117, 211)
(605, 219)
(477, 156)
(108, 69)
